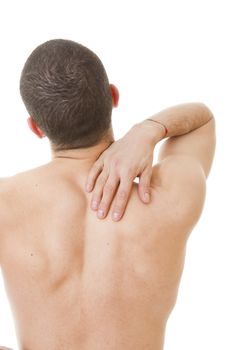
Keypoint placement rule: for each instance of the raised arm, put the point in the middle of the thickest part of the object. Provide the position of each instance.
(132, 155)
(191, 131)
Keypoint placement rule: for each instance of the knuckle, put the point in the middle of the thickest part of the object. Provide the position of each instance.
(98, 189)
(103, 205)
(96, 166)
(115, 162)
(101, 180)
(106, 158)
(142, 185)
(127, 172)
(96, 197)
(89, 181)
(143, 180)
(90, 177)
(109, 188)
(122, 195)
(95, 201)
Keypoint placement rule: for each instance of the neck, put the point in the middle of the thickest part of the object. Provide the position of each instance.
(83, 155)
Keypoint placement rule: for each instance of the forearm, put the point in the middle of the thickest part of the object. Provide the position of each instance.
(179, 120)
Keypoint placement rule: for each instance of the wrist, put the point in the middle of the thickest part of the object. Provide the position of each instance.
(151, 131)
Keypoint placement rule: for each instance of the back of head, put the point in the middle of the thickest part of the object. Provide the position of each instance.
(66, 91)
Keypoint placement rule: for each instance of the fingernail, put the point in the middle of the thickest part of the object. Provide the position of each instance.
(147, 197)
(100, 213)
(94, 205)
(116, 216)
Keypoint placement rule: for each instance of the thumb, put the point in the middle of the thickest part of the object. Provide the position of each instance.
(144, 185)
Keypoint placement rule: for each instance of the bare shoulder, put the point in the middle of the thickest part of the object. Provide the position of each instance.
(8, 187)
(181, 170)
(182, 183)
(13, 191)
(15, 184)
(4, 189)
(10, 191)
(6, 198)
(5, 213)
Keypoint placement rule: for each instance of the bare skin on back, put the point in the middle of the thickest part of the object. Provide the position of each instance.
(77, 282)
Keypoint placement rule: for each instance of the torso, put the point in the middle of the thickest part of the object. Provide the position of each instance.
(77, 282)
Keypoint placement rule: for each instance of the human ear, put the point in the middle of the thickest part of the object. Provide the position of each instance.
(115, 95)
(34, 128)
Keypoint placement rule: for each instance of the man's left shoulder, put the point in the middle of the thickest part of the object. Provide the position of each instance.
(9, 185)
(5, 210)
(5, 190)
(8, 196)
(5, 185)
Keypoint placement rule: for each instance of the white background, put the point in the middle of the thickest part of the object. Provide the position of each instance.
(158, 53)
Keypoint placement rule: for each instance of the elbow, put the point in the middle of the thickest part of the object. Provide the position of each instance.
(206, 111)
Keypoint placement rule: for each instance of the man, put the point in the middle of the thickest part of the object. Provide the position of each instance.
(76, 279)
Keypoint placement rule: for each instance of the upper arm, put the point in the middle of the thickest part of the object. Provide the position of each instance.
(184, 164)
(183, 184)
(198, 144)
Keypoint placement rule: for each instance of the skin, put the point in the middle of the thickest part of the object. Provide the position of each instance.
(75, 281)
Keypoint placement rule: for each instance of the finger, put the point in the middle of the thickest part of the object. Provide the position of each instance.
(144, 185)
(98, 190)
(92, 175)
(122, 197)
(109, 190)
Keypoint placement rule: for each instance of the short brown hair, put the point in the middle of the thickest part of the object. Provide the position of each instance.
(65, 89)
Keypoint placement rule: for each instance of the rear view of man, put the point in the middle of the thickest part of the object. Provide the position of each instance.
(77, 280)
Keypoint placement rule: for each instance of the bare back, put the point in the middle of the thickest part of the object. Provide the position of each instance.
(77, 282)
